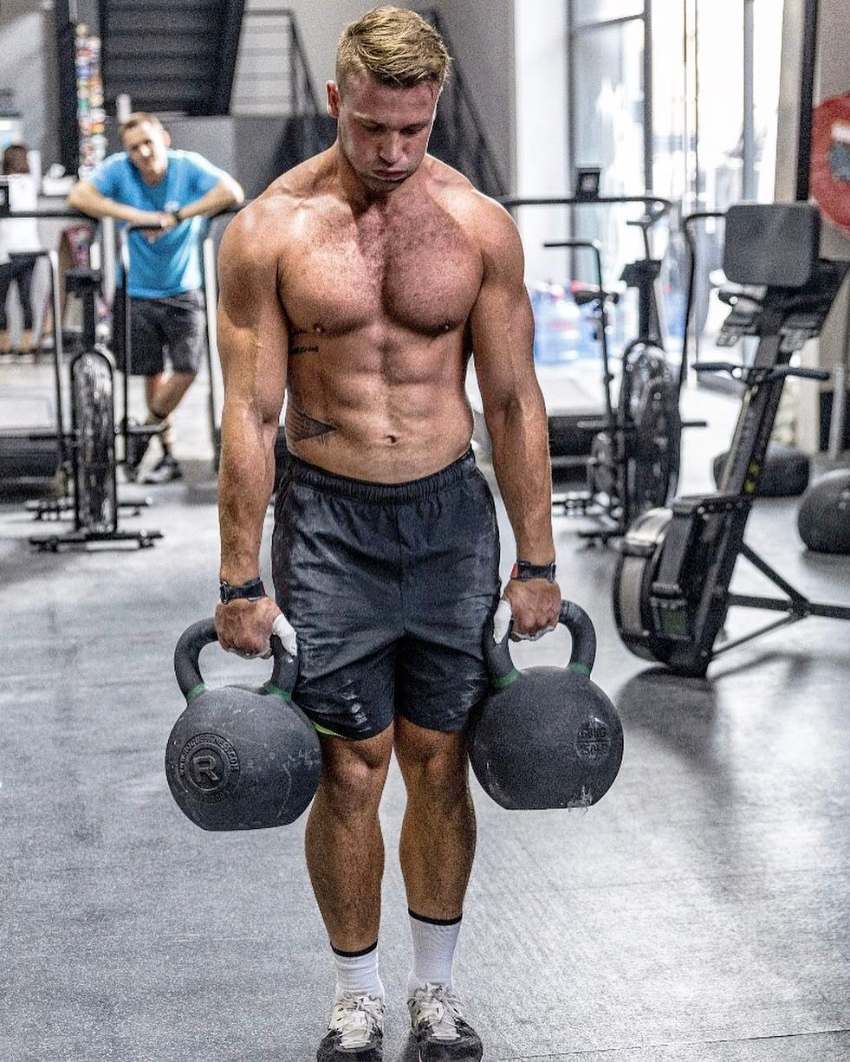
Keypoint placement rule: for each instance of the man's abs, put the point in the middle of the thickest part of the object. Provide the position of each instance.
(386, 415)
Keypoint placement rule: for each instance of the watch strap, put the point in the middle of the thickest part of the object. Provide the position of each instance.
(253, 590)
(525, 570)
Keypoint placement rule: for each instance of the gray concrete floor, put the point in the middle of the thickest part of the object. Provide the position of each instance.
(700, 912)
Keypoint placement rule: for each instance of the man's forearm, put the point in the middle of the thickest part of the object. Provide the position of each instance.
(521, 462)
(246, 481)
(100, 206)
(216, 199)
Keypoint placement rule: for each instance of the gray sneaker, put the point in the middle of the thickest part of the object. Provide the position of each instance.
(439, 1030)
(355, 1031)
(167, 470)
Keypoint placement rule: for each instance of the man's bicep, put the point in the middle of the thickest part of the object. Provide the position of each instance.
(502, 337)
(252, 330)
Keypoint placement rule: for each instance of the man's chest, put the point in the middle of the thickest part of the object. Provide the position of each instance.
(422, 273)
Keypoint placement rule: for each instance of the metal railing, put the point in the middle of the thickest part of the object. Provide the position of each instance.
(272, 72)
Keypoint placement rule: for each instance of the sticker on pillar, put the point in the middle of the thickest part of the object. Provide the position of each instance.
(830, 164)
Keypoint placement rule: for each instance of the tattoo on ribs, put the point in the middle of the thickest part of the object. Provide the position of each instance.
(300, 346)
(299, 426)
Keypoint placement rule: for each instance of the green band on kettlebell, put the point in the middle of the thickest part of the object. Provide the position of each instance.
(324, 730)
(195, 691)
(284, 695)
(578, 668)
(505, 680)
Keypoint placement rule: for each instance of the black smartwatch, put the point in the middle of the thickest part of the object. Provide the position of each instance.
(176, 215)
(525, 570)
(250, 591)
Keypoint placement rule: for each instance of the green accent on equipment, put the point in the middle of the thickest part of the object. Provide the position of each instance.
(324, 730)
(505, 681)
(285, 695)
(195, 691)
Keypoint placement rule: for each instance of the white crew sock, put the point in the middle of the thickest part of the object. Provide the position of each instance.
(434, 945)
(357, 972)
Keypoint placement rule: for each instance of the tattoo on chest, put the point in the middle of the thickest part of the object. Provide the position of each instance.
(302, 342)
(299, 426)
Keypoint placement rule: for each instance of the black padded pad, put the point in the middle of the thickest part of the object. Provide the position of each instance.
(771, 244)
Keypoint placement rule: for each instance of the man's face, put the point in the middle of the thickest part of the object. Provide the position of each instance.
(383, 131)
(146, 145)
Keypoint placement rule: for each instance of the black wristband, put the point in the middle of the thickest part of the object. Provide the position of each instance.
(525, 570)
(250, 591)
(176, 215)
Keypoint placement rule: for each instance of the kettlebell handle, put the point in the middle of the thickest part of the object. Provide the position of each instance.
(582, 655)
(202, 633)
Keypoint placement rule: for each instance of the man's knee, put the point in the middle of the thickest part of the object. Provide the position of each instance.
(354, 772)
(432, 761)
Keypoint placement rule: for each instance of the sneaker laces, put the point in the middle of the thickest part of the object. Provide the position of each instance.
(357, 1017)
(437, 1009)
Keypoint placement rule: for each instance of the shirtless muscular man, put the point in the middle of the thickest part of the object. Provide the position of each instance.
(360, 283)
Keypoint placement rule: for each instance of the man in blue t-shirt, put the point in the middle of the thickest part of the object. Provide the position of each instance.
(172, 193)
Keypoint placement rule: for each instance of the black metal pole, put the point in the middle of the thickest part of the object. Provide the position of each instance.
(56, 314)
(807, 92)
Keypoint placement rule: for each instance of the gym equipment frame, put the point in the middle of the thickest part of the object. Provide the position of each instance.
(89, 448)
(634, 458)
(671, 585)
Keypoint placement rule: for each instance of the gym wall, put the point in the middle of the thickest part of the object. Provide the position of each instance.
(832, 78)
(28, 48)
(542, 165)
(482, 35)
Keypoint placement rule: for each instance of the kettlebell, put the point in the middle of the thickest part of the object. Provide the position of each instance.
(240, 758)
(546, 737)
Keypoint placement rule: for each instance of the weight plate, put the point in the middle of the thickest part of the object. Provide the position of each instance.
(94, 424)
(633, 578)
(649, 406)
(601, 468)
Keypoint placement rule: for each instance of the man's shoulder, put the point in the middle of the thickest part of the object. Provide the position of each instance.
(481, 216)
(114, 163)
(259, 232)
(302, 193)
(189, 159)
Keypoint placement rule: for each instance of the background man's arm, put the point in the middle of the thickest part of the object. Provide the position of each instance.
(227, 193)
(252, 337)
(502, 337)
(88, 200)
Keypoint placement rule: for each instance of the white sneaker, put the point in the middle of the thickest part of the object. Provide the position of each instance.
(439, 1027)
(355, 1031)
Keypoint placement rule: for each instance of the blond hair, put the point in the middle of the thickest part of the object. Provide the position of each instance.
(139, 118)
(397, 47)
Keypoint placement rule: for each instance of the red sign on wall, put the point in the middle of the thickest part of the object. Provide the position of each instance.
(830, 166)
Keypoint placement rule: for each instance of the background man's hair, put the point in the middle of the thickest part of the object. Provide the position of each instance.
(395, 46)
(139, 118)
(15, 159)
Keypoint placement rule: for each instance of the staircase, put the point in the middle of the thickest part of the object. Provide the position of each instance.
(246, 60)
(172, 58)
(458, 137)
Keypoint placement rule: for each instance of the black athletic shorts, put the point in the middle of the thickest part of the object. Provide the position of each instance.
(388, 588)
(172, 326)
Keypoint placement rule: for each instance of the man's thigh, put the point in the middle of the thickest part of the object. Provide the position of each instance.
(451, 591)
(146, 337)
(183, 323)
(331, 580)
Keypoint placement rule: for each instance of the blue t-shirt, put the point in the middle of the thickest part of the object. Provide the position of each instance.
(170, 264)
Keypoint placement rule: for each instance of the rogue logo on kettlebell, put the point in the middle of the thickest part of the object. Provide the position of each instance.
(593, 741)
(209, 764)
